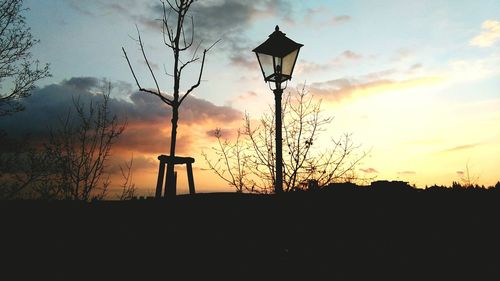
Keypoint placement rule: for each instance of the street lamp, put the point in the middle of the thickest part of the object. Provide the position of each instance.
(277, 57)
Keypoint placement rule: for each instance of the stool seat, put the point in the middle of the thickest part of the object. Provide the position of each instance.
(166, 160)
(177, 159)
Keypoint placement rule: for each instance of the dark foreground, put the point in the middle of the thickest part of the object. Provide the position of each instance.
(338, 235)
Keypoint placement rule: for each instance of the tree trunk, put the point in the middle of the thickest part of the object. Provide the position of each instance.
(170, 188)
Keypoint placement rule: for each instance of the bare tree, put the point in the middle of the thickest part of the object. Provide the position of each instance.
(232, 164)
(80, 147)
(71, 164)
(128, 186)
(174, 17)
(21, 169)
(18, 71)
(468, 180)
(302, 162)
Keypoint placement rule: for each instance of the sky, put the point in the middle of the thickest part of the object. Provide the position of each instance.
(416, 83)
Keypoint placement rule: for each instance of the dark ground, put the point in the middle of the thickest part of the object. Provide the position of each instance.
(339, 235)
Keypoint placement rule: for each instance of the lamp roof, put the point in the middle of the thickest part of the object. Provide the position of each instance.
(277, 45)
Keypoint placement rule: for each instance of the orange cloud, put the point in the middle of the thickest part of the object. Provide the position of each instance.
(369, 170)
(339, 89)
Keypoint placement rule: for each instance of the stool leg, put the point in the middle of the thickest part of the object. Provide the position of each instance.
(167, 183)
(159, 182)
(190, 178)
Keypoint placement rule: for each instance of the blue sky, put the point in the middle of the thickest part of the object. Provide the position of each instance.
(410, 79)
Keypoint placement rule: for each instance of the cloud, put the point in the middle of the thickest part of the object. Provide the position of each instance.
(139, 163)
(406, 173)
(349, 55)
(402, 54)
(340, 19)
(415, 66)
(369, 170)
(338, 89)
(244, 98)
(343, 88)
(343, 59)
(98, 8)
(461, 147)
(321, 17)
(150, 139)
(489, 35)
(227, 20)
(148, 119)
(82, 83)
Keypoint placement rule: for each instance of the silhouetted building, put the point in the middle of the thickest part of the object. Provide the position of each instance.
(390, 185)
(343, 186)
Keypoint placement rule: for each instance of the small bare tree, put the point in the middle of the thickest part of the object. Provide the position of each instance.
(80, 147)
(128, 186)
(302, 123)
(468, 180)
(175, 39)
(18, 71)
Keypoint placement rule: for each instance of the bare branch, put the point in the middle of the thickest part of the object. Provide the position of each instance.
(165, 26)
(171, 6)
(147, 61)
(188, 45)
(200, 73)
(164, 99)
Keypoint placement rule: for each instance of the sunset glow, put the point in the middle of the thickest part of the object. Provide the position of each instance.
(417, 83)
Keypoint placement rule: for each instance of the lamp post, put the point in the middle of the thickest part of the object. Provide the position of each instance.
(277, 57)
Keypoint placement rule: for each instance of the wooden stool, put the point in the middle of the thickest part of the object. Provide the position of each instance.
(166, 160)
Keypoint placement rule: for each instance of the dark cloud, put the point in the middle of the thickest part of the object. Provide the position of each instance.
(213, 20)
(369, 170)
(148, 119)
(46, 106)
(229, 19)
(82, 83)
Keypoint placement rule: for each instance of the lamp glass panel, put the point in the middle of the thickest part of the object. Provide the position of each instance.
(266, 63)
(288, 62)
